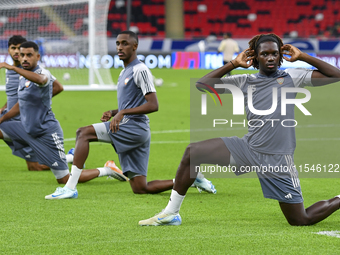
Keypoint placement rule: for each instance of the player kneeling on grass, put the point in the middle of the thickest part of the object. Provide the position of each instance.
(12, 83)
(38, 128)
(262, 146)
(128, 131)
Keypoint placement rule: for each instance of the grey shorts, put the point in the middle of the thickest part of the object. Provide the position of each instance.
(48, 148)
(277, 173)
(25, 153)
(131, 143)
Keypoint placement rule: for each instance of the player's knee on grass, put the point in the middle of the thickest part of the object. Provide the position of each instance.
(139, 185)
(35, 166)
(139, 191)
(295, 214)
(299, 221)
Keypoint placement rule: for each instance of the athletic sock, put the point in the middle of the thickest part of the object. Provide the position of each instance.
(175, 203)
(104, 171)
(74, 177)
(69, 158)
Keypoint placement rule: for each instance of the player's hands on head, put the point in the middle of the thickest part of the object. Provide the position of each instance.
(106, 116)
(114, 124)
(244, 59)
(291, 51)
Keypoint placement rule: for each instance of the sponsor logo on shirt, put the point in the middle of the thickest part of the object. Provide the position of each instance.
(126, 80)
(27, 83)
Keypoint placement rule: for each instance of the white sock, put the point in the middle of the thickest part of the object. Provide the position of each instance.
(69, 158)
(74, 177)
(175, 203)
(104, 171)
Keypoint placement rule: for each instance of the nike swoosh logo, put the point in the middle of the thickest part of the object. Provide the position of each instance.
(56, 195)
(161, 218)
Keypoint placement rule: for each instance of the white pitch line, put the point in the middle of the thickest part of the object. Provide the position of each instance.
(334, 233)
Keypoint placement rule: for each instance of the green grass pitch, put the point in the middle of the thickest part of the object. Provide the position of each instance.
(103, 220)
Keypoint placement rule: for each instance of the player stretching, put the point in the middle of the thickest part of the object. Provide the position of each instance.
(264, 145)
(38, 127)
(12, 83)
(128, 131)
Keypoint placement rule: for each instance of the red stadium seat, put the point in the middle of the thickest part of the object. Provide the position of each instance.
(280, 17)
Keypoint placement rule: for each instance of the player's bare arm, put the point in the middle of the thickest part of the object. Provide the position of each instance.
(3, 108)
(244, 59)
(39, 79)
(11, 113)
(325, 70)
(57, 88)
(150, 106)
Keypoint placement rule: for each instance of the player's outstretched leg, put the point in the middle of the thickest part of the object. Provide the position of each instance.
(297, 215)
(213, 151)
(140, 185)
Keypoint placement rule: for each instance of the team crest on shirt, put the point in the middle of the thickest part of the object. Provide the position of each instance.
(126, 80)
(27, 83)
(280, 80)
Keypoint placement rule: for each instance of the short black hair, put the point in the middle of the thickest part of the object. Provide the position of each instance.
(30, 44)
(131, 34)
(16, 39)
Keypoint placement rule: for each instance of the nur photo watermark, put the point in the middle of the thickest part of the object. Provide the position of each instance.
(270, 118)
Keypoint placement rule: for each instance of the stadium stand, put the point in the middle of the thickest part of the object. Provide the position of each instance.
(243, 18)
(309, 18)
(43, 23)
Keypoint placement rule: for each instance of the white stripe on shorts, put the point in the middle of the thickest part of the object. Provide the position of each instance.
(294, 177)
